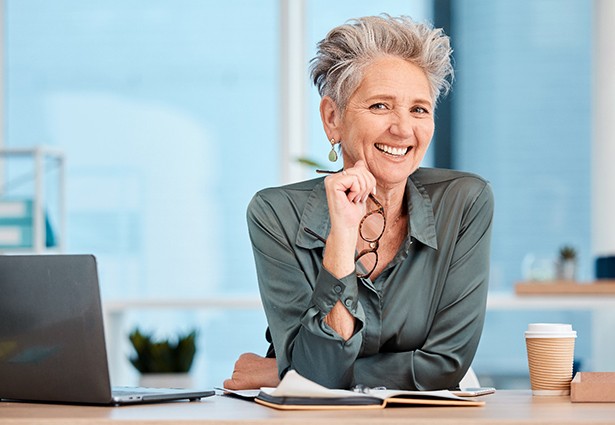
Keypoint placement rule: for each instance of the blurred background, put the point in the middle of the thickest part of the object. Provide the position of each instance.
(170, 115)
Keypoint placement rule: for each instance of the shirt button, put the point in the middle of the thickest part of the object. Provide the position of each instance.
(348, 302)
(337, 289)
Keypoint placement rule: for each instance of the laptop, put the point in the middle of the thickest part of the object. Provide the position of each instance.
(52, 342)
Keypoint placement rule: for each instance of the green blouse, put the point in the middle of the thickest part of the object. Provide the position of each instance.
(418, 323)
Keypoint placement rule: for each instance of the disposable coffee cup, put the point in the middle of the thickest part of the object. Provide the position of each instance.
(550, 355)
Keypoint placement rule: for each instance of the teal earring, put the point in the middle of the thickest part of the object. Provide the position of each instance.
(332, 154)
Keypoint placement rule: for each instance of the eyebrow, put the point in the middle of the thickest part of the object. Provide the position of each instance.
(419, 100)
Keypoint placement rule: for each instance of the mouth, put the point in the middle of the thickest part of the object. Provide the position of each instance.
(390, 150)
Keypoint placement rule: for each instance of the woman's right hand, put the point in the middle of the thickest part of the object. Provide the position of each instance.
(347, 193)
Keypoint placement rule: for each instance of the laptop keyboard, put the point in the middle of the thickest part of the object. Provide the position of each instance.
(121, 391)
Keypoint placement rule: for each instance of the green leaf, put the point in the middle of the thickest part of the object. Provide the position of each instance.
(162, 356)
(309, 162)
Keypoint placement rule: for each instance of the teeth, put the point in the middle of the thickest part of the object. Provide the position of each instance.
(391, 150)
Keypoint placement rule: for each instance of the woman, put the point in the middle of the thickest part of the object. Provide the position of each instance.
(375, 275)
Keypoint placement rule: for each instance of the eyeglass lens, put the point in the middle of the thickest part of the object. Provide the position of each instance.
(372, 226)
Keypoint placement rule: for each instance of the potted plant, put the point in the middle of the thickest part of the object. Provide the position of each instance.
(567, 263)
(163, 362)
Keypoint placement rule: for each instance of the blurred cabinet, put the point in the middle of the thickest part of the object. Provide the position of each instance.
(32, 200)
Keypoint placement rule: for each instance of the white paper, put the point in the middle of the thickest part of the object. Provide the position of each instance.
(295, 385)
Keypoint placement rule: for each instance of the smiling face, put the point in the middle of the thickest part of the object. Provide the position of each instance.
(388, 121)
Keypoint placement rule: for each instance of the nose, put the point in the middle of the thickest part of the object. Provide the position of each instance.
(402, 125)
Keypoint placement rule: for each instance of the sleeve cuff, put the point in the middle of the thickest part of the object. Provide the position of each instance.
(329, 290)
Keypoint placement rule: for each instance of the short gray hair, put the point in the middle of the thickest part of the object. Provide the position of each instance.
(337, 68)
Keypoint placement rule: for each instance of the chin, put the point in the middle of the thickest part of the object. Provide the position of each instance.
(392, 179)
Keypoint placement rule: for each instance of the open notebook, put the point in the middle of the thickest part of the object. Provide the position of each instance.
(52, 342)
(298, 393)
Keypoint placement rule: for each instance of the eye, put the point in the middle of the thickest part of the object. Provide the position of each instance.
(420, 110)
(378, 107)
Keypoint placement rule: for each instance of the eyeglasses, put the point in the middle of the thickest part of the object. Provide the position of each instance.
(371, 229)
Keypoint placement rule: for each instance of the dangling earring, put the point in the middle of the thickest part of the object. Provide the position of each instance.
(333, 154)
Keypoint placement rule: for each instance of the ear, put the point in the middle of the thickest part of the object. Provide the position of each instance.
(331, 118)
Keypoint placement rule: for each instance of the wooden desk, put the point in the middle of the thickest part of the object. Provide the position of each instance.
(504, 407)
(563, 287)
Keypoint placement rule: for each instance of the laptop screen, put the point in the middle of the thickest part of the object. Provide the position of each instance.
(52, 345)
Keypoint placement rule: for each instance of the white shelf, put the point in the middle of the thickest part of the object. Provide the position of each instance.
(39, 155)
(508, 301)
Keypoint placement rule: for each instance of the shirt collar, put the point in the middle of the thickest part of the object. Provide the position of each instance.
(316, 216)
(420, 208)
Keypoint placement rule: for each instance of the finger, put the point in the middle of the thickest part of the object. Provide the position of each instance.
(344, 184)
(247, 356)
(353, 183)
(370, 179)
(366, 185)
(365, 182)
(353, 187)
(371, 183)
(229, 384)
(355, 190)
(362, 195)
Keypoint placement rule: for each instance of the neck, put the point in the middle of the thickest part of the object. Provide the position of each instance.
(392, 200)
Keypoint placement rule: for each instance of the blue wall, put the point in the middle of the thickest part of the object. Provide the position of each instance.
(523, 120)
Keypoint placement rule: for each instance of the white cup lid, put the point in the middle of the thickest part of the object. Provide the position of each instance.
(550, 330)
